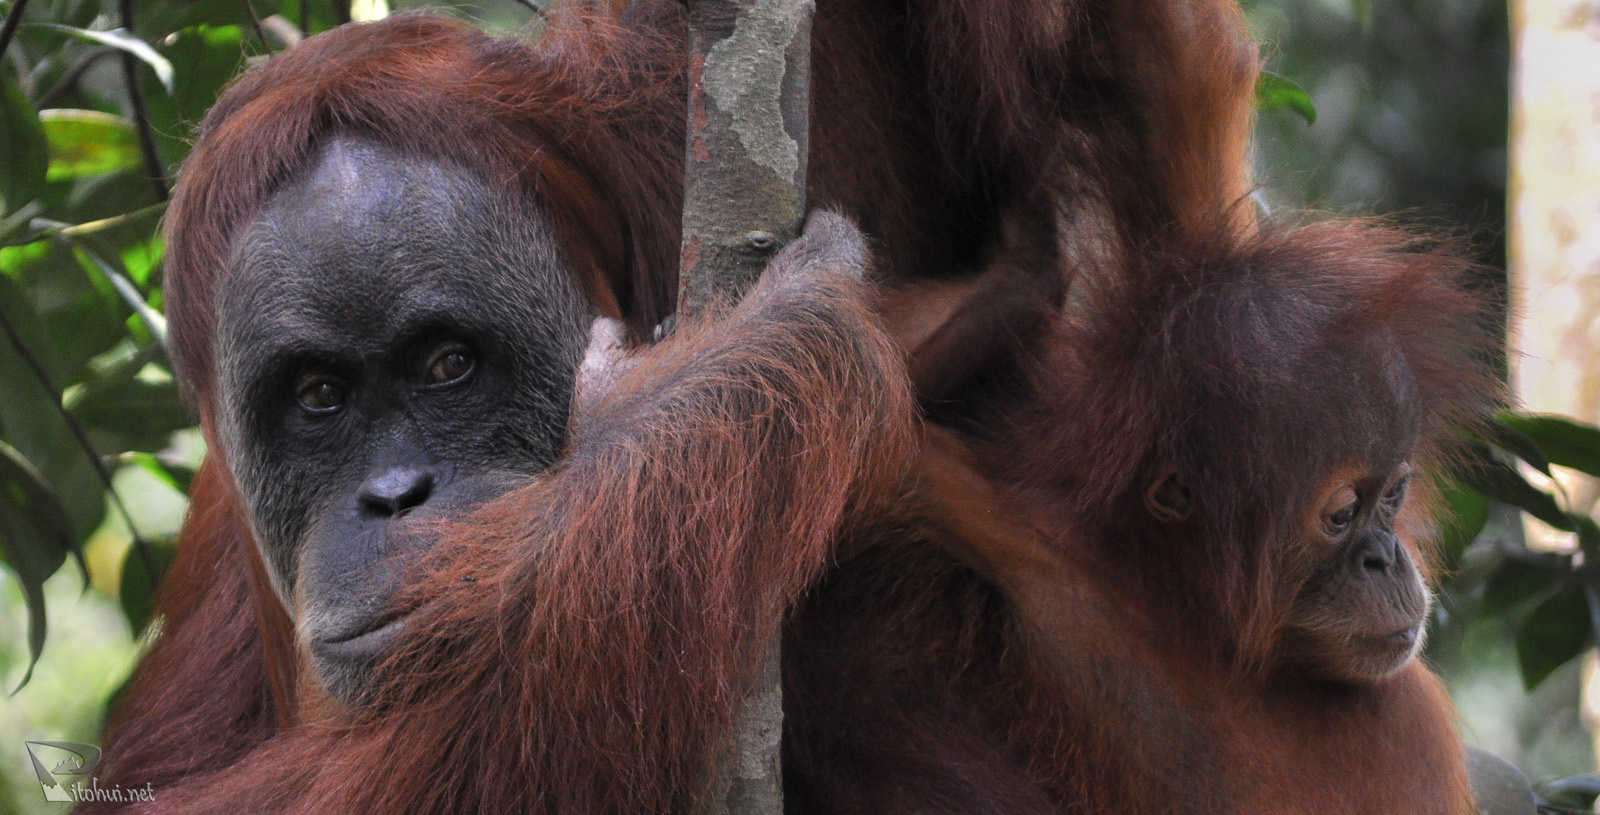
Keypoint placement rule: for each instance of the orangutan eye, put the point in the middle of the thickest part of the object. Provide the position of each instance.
(319, 394)
(1341, 519)
(1340, 511)
(1396, 496)
(449, 364)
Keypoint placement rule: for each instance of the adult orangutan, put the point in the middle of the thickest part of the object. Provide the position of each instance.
(796, 402)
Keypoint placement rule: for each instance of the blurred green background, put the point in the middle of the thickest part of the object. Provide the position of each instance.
(1411, 108)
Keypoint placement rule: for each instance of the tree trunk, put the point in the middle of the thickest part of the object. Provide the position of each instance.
(744, 199)
(1555, 220)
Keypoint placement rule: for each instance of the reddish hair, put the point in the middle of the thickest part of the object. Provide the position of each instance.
(1228, 362)
(489, 105)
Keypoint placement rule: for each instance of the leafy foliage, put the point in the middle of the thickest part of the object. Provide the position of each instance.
(1554, 597)
(1274, 92)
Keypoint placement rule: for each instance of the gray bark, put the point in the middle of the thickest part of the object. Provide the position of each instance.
(749, 90)
(744, 199)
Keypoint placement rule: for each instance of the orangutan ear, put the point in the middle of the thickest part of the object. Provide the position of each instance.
(1169, 499)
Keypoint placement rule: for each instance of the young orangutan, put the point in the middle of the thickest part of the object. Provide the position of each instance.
(1205, 530)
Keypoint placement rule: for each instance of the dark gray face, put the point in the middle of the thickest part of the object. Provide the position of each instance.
(397, 343)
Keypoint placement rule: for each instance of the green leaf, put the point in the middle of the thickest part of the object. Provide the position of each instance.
(1502, 482)
(1497, 786)
(321, 15)
(35, 538)
(1555, 632)
(1521, 576)
(136, 412)
(176, 15)
(203, 59)
(88, 142)
(1567, 442)
(130, 294)
(1513, 440)
(1577, 792)
(1274, 92)
(66, 315)
(1465, 516)
(1588, 536)
(86, 202)
(29, 415)
(48, 514)
(142, 258)
(122, 40)
(23, 145)
(178, 481)
(1363, 12)
(137, 591)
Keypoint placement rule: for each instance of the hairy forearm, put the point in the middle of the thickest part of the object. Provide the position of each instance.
(701, 494)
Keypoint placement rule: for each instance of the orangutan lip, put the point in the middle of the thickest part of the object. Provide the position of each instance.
(368, 641)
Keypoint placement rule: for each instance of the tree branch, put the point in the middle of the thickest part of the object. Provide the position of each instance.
(70, 77)
(255, 21)
(8, 29)
(538, 10)
(141, 112)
